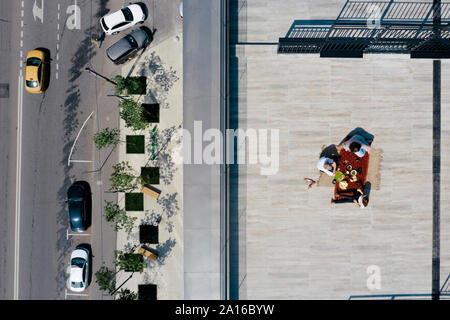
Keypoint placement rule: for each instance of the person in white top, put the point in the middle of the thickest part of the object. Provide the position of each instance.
(358, 145)
(329, 159)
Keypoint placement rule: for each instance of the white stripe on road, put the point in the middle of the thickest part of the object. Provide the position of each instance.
(18, 184)
(78, 135)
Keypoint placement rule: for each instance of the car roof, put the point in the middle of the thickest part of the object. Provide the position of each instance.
(75, 190)
(31, 73)
(114, 18)
(76, 274)
(118, 49)
(139, 35)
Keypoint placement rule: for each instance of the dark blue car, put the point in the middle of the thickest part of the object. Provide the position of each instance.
(79, 202)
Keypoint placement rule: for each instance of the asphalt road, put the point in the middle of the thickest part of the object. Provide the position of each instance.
(37, 133)
(49, 125)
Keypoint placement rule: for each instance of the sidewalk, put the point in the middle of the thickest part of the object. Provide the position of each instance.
(162, 65)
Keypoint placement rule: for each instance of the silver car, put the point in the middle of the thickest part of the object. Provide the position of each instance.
(127, 47)
(79, 269)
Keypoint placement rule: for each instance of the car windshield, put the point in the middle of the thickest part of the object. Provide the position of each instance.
(32, 84)
(75, 200)
(104, 24)
(132, 41)
(79, 262)
(33, 62)
(77, 284)
(127, 14)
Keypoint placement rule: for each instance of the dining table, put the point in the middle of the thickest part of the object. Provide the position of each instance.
(353, 173)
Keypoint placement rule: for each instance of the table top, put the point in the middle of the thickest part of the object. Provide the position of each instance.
(349, 158)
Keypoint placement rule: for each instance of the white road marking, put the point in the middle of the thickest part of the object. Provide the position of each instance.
(21, 13)
(21, 23)
(75, 234)
(18, 185)
(78, 135)
(21, 43)
(75, 294)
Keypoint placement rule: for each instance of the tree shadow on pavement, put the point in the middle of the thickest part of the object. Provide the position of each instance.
(160, 79)
(165, 249)
(169, 204)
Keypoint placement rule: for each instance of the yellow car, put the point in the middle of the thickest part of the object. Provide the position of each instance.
(35, 71)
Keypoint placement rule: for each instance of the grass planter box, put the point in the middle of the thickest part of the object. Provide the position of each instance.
(134, 202)
(148, 234)
(151, 112)
(150, 175)
(135, 144)
(147, 292)
(136, 85)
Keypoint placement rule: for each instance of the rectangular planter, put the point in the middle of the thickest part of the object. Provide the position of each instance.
(135, 144)
(134, 201)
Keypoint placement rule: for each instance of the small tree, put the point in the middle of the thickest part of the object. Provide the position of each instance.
(129, 85)
(133, 114)
(127, 294)
(121, 84)
(119, 217)
(107, 137)
(129, 262)
(105, 279)
(123, 178)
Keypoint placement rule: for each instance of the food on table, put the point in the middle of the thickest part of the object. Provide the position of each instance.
(349, 167)
(343, 185)
(338, 176)
(353, 172)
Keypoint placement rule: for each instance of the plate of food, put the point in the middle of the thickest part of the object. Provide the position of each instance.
(343, 185)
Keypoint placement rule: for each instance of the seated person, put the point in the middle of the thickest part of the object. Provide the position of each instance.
(360, 198)
(329, 159)
(358, 145)
(357, 196)
(360, 132)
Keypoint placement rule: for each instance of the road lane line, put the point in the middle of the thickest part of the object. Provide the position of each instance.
(18, 185)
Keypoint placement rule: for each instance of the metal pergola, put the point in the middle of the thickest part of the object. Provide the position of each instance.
(407, 27)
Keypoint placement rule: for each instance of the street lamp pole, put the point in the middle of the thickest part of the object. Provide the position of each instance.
(112, 293)
(99, 75)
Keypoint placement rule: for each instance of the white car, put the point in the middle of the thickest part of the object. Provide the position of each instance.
(79, 269)
(122, 19)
